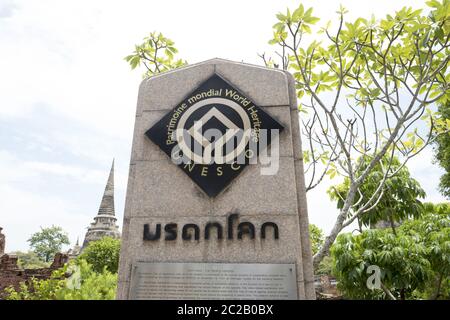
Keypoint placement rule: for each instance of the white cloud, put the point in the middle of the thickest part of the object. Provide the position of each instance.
(423, 169)
(25, 212)
(37, 193)
(7, 8)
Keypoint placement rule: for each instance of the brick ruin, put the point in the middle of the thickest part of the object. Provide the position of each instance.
(2, 242)
(12, 275)
(326, 288)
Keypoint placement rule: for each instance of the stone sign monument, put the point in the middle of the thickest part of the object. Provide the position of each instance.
(216, 204)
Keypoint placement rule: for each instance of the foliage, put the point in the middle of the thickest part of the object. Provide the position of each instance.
(103, 253)
(316, 236)
(325, 266)
(398, 200)
(49, 241)
(400, 258)
(443, 151)
(157, 53)
(29, 260)
(410, 261)
(368, 89)
(434, 230)
(75, 281)
(317, 239)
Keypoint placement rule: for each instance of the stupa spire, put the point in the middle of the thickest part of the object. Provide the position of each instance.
(107, 204)
(105, 222)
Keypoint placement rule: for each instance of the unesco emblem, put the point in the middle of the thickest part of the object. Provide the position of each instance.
(214, 133)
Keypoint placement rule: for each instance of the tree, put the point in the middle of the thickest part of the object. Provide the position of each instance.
(49, 241)
(398, 199)
(30, 260)
(75, 281)
(156, 53)
(414, 262)
(443, 151)
(400, 259)
(316, 236)
(325, 267)
(434, 230)
(368, 91)
(103, 253)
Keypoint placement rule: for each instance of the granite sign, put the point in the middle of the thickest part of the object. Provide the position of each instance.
(216, 205)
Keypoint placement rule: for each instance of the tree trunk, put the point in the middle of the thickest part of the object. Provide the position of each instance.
(402, 294)
(392, 225)
(337, 228)
(329, 240)
(387, 291)
(436, 292)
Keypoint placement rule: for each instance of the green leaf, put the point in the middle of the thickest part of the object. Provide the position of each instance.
(311, 20)
(306, 28)
(298, 13)
(169, 54)
(281, 17)
(134, 62)
(433, 3)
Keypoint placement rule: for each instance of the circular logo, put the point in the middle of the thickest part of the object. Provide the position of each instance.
(213, 130)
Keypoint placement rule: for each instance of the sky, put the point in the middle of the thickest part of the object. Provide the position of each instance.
(68, 99)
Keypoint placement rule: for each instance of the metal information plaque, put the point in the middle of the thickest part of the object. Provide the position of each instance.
(197, 281)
